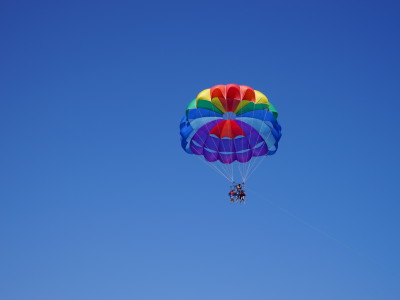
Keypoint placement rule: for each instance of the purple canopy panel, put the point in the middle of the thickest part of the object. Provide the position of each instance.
(200, 137)
(255, 139)
(244, 157)
(260, 151)
(212, 143)
(226, 145)
(227, 158)
(196, 149)
(252, 135)
(210, 156)
(241, 143)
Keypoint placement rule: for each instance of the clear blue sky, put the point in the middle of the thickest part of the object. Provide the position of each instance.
(98, 200)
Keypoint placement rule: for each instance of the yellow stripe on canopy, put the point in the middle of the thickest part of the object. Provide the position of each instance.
(261, 98)
(204, 95)
(218, 104)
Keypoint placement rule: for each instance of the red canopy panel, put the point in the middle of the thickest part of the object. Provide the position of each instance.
(227, 128)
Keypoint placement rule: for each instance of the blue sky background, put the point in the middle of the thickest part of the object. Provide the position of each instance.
(98, 201)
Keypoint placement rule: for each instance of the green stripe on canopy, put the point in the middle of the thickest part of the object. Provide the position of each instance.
(192, 104)
(208, 105)
(272, 109)
(251, 106)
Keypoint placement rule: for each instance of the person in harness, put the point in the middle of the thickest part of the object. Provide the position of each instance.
(242, 196)
(232, 195)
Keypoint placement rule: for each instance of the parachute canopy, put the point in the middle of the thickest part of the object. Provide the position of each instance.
(230, 123)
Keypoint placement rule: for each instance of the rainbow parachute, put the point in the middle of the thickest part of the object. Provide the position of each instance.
(230, 123)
